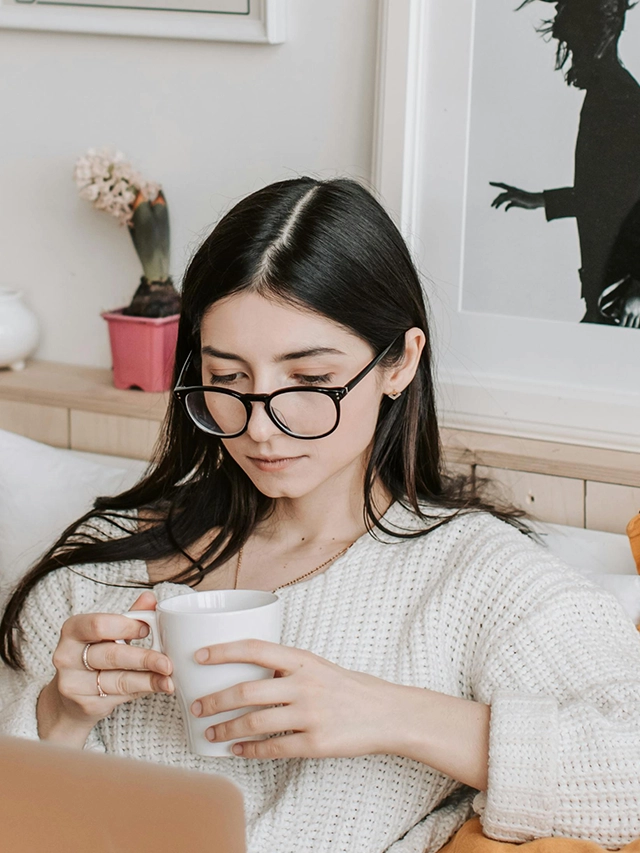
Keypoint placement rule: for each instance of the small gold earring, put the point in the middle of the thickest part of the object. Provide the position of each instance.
(394, 395)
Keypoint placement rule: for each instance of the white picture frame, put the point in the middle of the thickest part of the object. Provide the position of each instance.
(535, 378)
(261, 21)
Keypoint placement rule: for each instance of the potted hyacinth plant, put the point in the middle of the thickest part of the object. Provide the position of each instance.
(142, 334)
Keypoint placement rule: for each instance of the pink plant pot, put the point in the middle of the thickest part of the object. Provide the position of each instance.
(142, 349)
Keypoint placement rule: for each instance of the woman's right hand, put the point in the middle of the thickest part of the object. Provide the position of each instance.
(70, 705)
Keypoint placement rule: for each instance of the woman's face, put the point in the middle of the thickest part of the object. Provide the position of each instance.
(261, 346)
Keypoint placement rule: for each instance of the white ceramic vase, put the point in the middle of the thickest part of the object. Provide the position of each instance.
(19, 330)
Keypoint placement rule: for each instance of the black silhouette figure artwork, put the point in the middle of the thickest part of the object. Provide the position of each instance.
(605, 196)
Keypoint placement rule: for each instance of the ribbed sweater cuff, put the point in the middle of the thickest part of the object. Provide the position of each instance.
(522, 793)
(19, 718)
(94, 742)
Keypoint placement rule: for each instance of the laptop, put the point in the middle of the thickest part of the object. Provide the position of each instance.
(54, 799)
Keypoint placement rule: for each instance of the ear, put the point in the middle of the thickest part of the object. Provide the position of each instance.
(397, 378)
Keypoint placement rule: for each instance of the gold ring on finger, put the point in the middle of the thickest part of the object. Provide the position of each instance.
(84, 658)
(100, 690)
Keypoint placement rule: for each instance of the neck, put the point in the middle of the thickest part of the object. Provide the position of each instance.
(334, 511)
(594, 72)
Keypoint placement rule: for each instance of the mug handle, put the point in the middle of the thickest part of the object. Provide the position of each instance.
(150, 617)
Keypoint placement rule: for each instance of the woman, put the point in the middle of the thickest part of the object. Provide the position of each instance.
(433, 659)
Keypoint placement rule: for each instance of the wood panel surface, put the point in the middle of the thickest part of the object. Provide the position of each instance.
(456, 468)
(610, 507)
(556, 499)
(72, 386)
(49, 424)
(113, 434)
(542, 457)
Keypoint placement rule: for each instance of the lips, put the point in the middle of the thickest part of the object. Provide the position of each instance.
(273, 458)
(273, 463)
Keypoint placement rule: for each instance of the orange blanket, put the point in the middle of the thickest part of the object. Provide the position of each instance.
(469, 839)
(633, 532)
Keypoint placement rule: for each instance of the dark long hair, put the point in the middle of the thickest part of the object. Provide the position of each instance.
(328, 246)
(593, 25)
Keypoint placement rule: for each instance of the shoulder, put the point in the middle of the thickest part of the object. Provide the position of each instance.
(490, 561)
(84, 587)
(478, 534)
(618, 97)
(466, 529)
(503, 583)
(112, 524)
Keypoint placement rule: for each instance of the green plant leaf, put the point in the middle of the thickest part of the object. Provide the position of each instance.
(149, 231)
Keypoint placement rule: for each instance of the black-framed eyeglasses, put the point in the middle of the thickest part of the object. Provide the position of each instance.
(301, 412)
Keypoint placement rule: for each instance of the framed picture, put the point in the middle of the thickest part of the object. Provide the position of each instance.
(481, 97)
(215, 20)
(553, 171)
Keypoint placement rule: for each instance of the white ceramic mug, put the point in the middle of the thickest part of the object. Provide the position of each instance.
(185, 623)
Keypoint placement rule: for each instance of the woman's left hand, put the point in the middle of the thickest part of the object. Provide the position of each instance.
(333, 712)
(630, 312)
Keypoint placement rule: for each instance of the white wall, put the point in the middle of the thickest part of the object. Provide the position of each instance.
(212, 121)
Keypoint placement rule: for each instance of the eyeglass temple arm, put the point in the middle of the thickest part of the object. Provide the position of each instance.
(369, 367)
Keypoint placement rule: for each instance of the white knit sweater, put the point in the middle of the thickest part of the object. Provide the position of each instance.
(474, 609)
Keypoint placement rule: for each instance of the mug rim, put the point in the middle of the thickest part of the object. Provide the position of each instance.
(268, 600)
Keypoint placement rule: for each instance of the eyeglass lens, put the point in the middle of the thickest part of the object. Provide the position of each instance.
(305, 413)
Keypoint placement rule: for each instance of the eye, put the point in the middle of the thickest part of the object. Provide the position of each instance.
(215, 379)
(228, 379)
(315, 380)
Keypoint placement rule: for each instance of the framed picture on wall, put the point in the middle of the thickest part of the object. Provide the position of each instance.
(552, 220)
(215, 20)
(476, 114)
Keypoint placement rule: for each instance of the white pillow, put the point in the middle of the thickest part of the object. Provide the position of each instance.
(42, 490)
(589, 551)
(626, 589)
(605, 558)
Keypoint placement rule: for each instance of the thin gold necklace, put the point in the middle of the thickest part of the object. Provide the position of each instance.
(306, 575)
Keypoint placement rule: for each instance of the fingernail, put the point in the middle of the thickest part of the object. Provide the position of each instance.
(143, 631)
(196, 709)
(210, 734)
(201, 655)
(164, 666)
(167, 685)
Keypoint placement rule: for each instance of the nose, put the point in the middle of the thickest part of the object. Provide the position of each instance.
(260, 427)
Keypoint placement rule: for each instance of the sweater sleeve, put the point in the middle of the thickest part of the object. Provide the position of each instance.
(47, 606)
(559, 204)
(563, 682)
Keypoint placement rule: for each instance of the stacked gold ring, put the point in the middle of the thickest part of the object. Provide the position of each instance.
(100, 690)
(85, 661)
(92, 669)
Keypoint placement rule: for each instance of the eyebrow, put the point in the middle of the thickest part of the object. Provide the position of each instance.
(288, 356)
